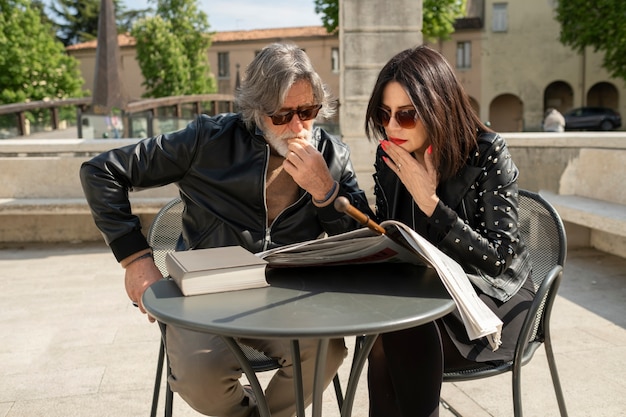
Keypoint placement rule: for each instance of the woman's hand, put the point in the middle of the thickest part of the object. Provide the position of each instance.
(416, 172)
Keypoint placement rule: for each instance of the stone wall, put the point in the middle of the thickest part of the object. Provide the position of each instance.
(41, 199)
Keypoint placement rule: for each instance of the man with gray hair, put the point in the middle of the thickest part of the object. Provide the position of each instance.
(260, 178)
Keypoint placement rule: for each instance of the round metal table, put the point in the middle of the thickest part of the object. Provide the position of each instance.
(315, 302)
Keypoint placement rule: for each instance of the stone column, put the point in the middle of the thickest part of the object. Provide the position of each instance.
(108, 92)
(370, 32)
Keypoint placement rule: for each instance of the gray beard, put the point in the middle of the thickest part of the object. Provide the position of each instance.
(279, 142)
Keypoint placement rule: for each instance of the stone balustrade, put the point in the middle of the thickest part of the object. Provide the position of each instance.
(582, 173)
(41, 198)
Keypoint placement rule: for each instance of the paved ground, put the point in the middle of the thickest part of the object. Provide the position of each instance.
(72, 345)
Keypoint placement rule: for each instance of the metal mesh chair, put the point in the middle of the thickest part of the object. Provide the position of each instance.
(542, 230)
(163, 236)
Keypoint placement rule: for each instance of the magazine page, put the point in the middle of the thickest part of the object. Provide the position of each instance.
(358, 246)
(400, 243)
(479, 320)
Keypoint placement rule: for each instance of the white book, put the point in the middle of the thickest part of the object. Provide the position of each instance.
(212, 270)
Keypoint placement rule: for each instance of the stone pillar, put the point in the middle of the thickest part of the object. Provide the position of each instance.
(108, 92)
(370, 32)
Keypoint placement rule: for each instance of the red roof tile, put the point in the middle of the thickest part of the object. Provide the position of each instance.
(256, 34)
(124, 39)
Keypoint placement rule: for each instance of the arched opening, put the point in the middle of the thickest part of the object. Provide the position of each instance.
(475, 105)
(558, 95)
(506, 113)
(603, 94)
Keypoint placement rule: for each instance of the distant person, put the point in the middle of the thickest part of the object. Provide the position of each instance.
(260, 178)
(553, 121)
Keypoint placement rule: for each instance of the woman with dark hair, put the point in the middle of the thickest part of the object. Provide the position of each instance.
(441, 171)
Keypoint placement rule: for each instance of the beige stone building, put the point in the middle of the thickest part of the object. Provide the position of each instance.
(229, 54)
(506, 53)
(524, 69)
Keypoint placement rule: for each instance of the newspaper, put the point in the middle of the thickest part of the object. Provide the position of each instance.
(399, 244)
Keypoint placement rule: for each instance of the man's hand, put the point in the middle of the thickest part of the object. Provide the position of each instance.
(308, 169)
(139, 276)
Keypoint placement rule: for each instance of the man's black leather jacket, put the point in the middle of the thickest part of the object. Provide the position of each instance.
(220, 169)
(476, 221)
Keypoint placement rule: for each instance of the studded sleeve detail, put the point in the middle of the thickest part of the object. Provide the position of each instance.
(487, 238)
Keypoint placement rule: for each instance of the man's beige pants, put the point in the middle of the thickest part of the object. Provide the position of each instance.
(206, 374)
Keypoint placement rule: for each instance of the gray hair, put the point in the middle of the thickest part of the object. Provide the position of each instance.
(269, 77)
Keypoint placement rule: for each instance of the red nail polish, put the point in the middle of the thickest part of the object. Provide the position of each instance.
(384, 144)
(429, 149)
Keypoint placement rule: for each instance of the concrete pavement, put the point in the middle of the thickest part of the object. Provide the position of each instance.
(71, 344)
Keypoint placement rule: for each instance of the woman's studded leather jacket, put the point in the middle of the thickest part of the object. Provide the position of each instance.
(482, 228)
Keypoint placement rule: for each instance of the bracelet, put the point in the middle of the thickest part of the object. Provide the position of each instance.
(145, 255)
(328, 195)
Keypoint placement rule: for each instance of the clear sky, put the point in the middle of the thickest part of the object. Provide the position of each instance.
(252, 14)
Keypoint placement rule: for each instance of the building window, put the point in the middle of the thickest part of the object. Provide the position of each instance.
(464, 55)
(223, 65)
(500, 22)
(334, 60)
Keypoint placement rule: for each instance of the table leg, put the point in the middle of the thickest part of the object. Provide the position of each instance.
(297, 378)
(355, 373)
(320, 375)
(250, 374)
(318, 382)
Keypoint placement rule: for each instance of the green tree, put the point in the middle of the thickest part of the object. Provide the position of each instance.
(172, 50)
(602, 26)
(161, 58)
(76, 21)
(33, 63)
(40, 6)
(329, 9)
(126, 18)
(438, 16)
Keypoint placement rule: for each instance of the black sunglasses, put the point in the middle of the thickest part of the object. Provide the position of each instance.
(304, 113)
(407, 119)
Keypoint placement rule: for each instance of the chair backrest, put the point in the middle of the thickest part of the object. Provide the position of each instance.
(165, 231)
(543, 232)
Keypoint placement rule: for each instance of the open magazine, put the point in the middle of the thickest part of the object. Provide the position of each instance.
(399, 243)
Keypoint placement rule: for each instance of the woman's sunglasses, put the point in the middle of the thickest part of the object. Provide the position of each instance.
(407, 119)
(304, 113)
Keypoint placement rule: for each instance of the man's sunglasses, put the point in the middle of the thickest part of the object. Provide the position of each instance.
(304, 113)
(407, 119)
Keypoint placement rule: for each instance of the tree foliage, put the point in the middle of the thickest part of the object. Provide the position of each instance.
(76, 21)
(329, 9)
(40, 6)
(161, 57)
(602, 26)
(438, 16)
(172, 50)
(33, 63)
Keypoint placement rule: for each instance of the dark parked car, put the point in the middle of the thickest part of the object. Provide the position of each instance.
(592, 118)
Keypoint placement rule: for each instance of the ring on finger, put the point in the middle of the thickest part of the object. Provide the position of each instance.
(399, 166)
